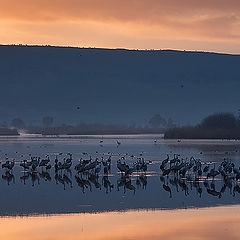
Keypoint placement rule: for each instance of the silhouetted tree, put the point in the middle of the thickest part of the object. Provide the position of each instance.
(47, 121)
(4, 124)
(18, 123)
(170, 123)
(219, 121)
(215, 126)
(157, 121)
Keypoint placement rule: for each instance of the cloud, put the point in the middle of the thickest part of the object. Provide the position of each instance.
(215, 20)
(121, 10)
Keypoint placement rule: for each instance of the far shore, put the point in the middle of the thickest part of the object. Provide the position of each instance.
(93, 136)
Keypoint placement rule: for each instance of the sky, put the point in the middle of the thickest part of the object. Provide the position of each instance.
(206, 25)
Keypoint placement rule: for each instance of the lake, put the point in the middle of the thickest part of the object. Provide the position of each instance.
(46, 205)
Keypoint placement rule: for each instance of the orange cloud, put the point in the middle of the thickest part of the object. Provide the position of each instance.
(149, 20)
(124, 10)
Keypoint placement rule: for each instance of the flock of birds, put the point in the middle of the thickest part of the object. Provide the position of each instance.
(187, 175)
(183, 174)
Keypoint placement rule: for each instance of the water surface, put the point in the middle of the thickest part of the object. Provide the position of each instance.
(49, 208)
(189, 224)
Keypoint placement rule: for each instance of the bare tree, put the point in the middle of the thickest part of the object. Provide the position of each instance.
(18, 123)
(157, 121)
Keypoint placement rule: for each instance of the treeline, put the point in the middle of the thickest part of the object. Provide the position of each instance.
(90, 129)
(4, 131)
(215, 126)
(156, 124)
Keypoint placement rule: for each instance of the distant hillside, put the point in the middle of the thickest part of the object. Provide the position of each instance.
(115, 86)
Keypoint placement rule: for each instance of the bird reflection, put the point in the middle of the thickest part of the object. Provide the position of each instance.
(143, 181)
(63, 179)
(25, 177)
(168, 189)
(45, 175)
(125, 182)
(107, 184)
(128, 173)
(93, 178)
(34, 177)
(8, 177)
(83, 183)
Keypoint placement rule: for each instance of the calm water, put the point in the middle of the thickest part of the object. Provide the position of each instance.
(50, 207)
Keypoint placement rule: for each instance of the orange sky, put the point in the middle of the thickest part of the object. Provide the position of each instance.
(144, 24)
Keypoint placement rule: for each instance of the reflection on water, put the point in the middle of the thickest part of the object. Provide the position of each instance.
(78, 192)
(193, 224)
(52, 189)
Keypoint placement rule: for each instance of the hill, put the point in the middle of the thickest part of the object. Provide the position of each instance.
(115, 85)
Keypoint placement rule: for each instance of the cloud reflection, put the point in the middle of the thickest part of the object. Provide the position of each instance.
(202, 224)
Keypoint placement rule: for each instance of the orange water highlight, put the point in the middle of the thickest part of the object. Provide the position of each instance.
(187, 224)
